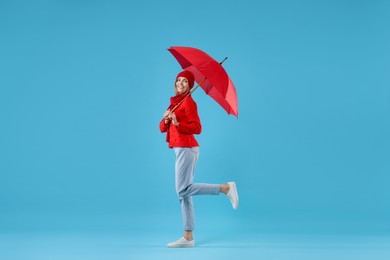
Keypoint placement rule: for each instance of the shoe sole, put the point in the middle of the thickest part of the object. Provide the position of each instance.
(180, 246)
(234, 187)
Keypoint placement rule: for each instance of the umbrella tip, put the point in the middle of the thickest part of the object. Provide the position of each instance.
(223, 60)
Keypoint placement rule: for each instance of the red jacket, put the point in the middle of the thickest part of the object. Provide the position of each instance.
(189, 124)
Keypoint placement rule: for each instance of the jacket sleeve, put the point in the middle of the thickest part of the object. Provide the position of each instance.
(164, 127)
(192, 124)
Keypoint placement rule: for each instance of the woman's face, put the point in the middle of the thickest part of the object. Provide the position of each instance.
(182, 85)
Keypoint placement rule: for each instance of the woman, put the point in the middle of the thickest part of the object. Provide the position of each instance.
(180, 126)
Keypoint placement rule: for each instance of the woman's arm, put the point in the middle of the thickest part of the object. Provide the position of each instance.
(164, 127)
(164, 123)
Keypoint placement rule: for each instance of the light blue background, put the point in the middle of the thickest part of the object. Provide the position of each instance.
(84, 84)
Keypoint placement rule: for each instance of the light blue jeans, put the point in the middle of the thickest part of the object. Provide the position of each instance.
(186, 159)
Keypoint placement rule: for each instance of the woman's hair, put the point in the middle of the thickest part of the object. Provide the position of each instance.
(175, 88)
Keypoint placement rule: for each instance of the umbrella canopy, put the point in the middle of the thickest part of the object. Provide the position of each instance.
(210, 75)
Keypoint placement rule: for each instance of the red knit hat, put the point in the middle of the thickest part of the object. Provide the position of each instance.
(188, 75)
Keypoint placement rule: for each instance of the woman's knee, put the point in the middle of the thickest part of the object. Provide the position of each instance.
(183, 192)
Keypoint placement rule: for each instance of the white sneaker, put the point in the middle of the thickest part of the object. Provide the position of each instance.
(182, 242)
(232, 194)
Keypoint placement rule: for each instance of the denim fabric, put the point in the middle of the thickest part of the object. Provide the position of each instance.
(186, 159)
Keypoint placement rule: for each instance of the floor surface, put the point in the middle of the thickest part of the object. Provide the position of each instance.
(96, 246)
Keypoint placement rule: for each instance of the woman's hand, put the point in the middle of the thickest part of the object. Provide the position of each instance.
(166, 116)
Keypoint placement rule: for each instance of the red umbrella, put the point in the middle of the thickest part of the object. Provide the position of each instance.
(210, 75)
